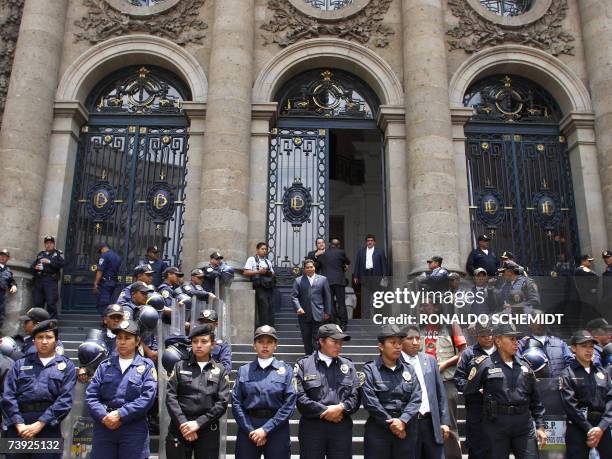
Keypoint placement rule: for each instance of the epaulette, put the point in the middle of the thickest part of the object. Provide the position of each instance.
(219, 341)
(478, 360)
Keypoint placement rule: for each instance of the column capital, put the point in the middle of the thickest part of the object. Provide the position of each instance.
(461, 115)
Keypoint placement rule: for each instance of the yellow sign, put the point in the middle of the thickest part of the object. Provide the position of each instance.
(297, 203)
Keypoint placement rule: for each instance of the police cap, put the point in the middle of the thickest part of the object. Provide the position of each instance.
(208, 315)
(197, 272)
(507, 256)
(216, 256)
(140, 286)
(49, 238)
(506, 330)
(478, 271)
(604, 254)
(581, 337)
(597, 324)
(484, 237)
(332, 331)
(45, 325)
(173, 270)
(35, 315)
(128, 326)
(204, 329)
(113, 310)
(510, 266)
(102, 245)
(5, 252)
(390, 331)
(436, 258)
(586, 257)
(452, 276)
(265, 330)
(479, 329)
(143, 269)
(152, 249)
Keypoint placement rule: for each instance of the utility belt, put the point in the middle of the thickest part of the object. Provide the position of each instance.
(110, 278)
(34, 407)
(261, 413)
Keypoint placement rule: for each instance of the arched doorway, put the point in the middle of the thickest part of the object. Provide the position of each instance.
(129, 182)
(326, 171)
(519, 178)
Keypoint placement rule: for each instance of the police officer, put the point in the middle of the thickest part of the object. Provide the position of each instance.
(586, 393)
(47, 267)
(327, 395)
(437, 279)
(7, 282)
(194, 287)
(477, 446)
(139, 292)
(263, 400)
(197, 397)
(222, 351)
(6, 365)
(606, 278)
(31, 319)
(120, 394)
(392, 395)
(217, 268)
(142, 273)
(514, 282)
(511, 400)
(152, 258)
(172, 279)
(483, 257)
(38, 391)
(106, 277)
(601, 330)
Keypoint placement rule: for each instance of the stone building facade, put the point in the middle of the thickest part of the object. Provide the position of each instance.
(418, 59)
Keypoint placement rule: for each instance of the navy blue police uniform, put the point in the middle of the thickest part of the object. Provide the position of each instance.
(131, 393)
(34, 391)
(587, 401)
(557, 351)
(319, 386)
(125, 296)
(478, 258)
(477, 446)
(6, 282)
(511, 402)
(222, 351)
(158, 266)
(109, 263)
(199, 395)
(264, 398)
(45, 291)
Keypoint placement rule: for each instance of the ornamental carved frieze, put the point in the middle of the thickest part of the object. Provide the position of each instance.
(10, 19)
(290, 25)
(181, 23)
(474, 32)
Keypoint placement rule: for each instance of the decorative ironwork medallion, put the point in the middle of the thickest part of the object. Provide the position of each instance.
(160, 202)
(547, 208)
(490, 207)
(101, 200)
(297, 203)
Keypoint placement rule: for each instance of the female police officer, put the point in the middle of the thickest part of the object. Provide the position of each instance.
(511, 400)
(119, 396)
(38, 391)
(392, 395)
(197, 397)
(263, 400)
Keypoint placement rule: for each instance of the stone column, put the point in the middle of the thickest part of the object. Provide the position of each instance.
(24, 139)
(432, 201)
(596, 17)
(225, 172)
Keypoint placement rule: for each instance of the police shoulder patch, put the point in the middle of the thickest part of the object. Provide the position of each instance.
(361, 375)
(525, 369)
(165, 293)
(600, 375)
(296, 369)
(472, 374)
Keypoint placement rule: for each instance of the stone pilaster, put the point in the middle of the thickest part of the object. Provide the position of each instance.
(597, 35)
(432, 202)
(225, 172)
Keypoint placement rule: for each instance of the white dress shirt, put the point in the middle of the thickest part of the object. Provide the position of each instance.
(416, 364)
(326, 358)
(265, 363)
(369, 262)
(311, 279)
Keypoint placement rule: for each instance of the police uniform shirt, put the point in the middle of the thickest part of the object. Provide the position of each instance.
(194, 290)
(390, 393)
(585, 392)
(132, 392)
(157, 266)
(258, 388)
(56, 262)
(109, 263)
(31, 382)
(508, 384)
(167, 292)
(125, 297)
(584, 271)
(197, 394)
(222, 353)
(6, 365)
(6, 278)
(416, 364)
(463, 368)
(319, 386)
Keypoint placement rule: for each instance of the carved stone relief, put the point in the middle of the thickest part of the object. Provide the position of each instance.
(10, 19)
(181, 24)
(289, 25)
(474, 32)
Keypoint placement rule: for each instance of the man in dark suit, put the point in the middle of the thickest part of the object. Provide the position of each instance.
(370, 273)
(311, 298)
(483, 257)
(314, 254)
(433, 419)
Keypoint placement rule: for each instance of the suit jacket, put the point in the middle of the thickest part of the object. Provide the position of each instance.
(331, 265)
(378, 260)
(314, 300)
(436, 394)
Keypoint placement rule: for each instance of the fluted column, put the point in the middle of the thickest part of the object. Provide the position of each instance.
(432, 202)
(596, 17)
(26, 124)
(225, 168)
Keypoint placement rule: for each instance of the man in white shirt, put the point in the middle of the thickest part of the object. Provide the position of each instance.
(370, 273)
(259, 269)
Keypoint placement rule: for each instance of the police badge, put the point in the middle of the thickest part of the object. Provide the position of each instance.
(215, 371)
(281, 371)
(407, 377)
(61, 366)
(344, 368)
(600, 375)
(140, 369)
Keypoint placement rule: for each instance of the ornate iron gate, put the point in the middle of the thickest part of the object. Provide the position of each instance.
(129, 185)
(519, 176)
(297, 194)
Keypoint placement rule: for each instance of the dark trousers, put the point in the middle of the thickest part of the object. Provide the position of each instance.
(45, 294)
(2, 306)
(426, 446)
(369, 285)
(337, 292)
(323, 439)
(205, 447)
(106, 293)
(264, 306)
(46, 432)
(380, 443)
(130, 441)
(452, 448)
(575, 443)
(477, 444)
(278, 443)
(511, 433)
(309, 330)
